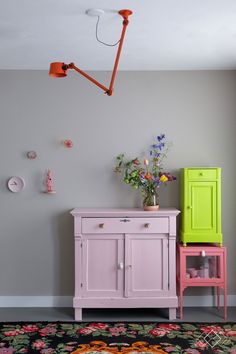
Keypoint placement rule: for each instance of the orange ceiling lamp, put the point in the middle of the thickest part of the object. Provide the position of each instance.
(59, 69)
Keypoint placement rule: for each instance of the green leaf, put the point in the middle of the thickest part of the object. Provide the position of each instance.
(67, 326)
(227, 342)
(233, 339)
(189, 327)
(147, 328)
(227, 326)
(60, 345)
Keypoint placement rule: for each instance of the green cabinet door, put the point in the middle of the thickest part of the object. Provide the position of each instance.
(200, 206)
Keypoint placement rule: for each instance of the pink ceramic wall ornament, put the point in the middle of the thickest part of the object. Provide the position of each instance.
(68, 143)
(49, 183)
(32, 155)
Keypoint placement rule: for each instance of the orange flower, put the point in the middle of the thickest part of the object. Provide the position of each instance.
(148, 176)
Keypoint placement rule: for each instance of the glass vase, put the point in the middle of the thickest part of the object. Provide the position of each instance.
(151, 201)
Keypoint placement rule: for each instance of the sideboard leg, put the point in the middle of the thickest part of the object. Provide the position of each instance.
(172, 313)
(78, 314)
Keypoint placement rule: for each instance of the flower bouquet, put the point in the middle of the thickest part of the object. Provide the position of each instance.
(147, 175)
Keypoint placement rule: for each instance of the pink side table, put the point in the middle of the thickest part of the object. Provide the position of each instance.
(201, 265)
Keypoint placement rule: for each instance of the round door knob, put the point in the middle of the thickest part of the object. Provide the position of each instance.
(101, 226)
(121, 265)
(146, 225)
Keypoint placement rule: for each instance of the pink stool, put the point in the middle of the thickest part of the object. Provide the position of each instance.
(211, 273)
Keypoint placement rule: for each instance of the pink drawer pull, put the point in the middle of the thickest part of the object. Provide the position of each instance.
(101, 226)
(203, 253)
(147, 225)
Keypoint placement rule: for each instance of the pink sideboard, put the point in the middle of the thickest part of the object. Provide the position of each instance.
(125, 258)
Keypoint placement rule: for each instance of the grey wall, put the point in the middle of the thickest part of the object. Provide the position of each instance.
(196, 110)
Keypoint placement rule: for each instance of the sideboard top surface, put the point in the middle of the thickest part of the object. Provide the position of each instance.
(123, 212)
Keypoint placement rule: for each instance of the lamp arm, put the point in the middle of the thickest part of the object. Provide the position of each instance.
(125, 24)
(90, 78)
(108, 91)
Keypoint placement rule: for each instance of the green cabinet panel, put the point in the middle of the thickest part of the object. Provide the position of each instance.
(200, 205)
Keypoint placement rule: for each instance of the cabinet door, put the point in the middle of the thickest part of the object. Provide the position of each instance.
(146, 260)
(103, 268)
(201, 207)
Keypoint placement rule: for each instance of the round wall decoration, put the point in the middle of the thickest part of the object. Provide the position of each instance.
(16, 184)
(31, 155)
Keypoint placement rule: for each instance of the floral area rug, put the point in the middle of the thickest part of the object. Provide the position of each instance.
(117, 338)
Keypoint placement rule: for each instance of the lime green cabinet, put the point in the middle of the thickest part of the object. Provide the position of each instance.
(200, 205)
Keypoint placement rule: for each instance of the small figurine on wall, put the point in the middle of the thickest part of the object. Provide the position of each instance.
(49, 183)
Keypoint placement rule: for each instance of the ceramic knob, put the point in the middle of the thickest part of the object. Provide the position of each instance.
(101, 226)
(121, 265)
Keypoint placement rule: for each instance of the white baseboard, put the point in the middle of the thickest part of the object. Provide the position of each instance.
(36, 301)
(66, 301)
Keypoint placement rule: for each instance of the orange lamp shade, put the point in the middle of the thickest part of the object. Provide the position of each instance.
(57, 69)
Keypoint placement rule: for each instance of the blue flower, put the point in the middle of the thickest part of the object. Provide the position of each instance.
(161, 145)
(161, 137)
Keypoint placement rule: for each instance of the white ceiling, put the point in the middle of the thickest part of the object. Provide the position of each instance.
(162, 34)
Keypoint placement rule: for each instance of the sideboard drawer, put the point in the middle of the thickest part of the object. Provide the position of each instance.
(202, 174)
(125, 225)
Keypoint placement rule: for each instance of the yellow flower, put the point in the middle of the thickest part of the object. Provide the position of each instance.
(163, 178)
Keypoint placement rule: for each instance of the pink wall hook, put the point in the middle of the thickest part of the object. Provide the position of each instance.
(68, 143)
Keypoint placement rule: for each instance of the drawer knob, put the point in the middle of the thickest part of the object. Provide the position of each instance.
(203, 253)
(201, 174)
(121, 265)
(146, 225)
(101, 226)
